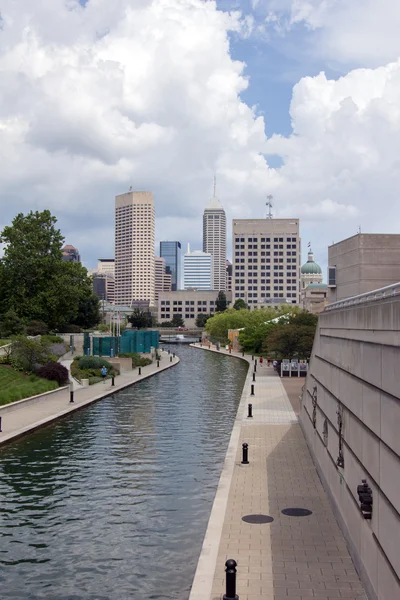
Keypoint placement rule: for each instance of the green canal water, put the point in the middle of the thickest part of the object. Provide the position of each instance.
(112, 503)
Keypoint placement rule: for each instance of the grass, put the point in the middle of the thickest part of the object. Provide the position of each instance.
(16, 386)
(4, 342)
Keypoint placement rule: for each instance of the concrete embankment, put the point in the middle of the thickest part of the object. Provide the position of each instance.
(27, 415)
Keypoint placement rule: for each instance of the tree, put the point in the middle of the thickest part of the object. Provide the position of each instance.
(221, 303)
(40, 285)
(140, 319)
(177, 321)
(26, 353)
(201, 319)
(11, 324)
(240, 304)
(251, 339)
(293, 339)
(88, 312)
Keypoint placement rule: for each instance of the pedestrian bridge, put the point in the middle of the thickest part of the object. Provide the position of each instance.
(350, 414)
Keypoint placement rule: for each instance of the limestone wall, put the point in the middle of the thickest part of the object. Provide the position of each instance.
(354, 376)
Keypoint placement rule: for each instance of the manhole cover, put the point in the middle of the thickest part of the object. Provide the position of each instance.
(257, 519)
(296, 512)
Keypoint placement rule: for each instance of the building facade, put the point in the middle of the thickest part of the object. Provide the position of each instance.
(188, 304)
(229, 270)
(163, 280)
(134, 248)
(313, 293)
(106, 265)
(363, 263)
(214, 241)
(197, 270)
(104, 286)
(172, 253)
(266, 261)
(70, 254)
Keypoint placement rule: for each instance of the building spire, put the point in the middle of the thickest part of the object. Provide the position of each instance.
(215, 185)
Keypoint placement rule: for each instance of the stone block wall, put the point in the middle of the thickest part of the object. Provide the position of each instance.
(350, 415)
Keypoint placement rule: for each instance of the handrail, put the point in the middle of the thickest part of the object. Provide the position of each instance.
(385, 292)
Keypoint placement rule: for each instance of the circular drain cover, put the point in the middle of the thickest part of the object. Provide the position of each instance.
(257, 519)
(296, 512)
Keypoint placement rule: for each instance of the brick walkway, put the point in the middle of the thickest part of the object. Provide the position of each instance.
(293, 557)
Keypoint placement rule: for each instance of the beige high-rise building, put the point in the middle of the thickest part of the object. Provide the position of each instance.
(134, 248)
(266, 261)
(163, 280)
(214, 241)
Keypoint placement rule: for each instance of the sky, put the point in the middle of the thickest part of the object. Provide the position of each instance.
(299, 99)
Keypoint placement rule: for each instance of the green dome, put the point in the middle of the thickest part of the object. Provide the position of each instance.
(311, 267)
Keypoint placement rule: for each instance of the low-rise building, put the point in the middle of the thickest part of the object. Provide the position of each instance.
(313, 293)
(188, 304)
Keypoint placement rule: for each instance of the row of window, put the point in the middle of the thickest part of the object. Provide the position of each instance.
(256, 239)
(187, 302)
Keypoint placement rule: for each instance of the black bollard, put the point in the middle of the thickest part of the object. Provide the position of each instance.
(112, 381)
(242, 353)
(252, 357)
(255, 362)
(169, 351)
(140, 370)
(173, 355)
(254, 376)
(250, 411)
(230, 590)
(158, 363)
(255, 368)
(71, 396)
(252, 390)
(245, 454)
(0, 425)
(170, 359)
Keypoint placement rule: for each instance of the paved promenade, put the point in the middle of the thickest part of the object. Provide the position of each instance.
(292, 557)
(44, 411)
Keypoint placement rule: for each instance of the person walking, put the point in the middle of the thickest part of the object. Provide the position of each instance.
(104, 373)
(261, 361)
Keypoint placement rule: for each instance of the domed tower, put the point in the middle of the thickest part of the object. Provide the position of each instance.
(311, 272)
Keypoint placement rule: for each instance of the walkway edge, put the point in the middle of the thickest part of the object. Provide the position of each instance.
(204, 575)
(75, 407)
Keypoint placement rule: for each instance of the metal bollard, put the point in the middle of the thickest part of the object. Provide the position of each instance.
(158, 363)
(71, 395)
(255, 368)
(169, 351)
(255, 362)
(252, 357)
(173, 355)
(140, 370)
(230, 590)
(112, 381)
(245, 454)
(0, 425)
(170, 359)
(250, 411)
(254, 376)
(252, 390)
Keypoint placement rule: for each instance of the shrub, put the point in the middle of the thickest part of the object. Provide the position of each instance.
(37, 328)
(54, 372)
(25, 353)
(137, 360)
(93, 362)
(52, 339)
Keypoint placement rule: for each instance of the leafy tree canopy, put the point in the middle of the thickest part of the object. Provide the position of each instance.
(40, 285)
(240, 304)
(201, 319)
(221, 303)
(177, 321)
(290, 341)
(140, 319)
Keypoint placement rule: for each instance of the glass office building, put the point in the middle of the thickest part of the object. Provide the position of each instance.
(171, 253)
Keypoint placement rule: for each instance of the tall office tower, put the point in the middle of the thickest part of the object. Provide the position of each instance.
(106, 265)
(197, 270)
(214, 240)
(266, 255)
(163, 279)
(104, 286)
(70, 254)
(134, 248)
(171, 251)
(228, 275)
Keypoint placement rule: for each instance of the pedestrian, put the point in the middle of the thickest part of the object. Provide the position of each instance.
(261, 361)
(104, 373)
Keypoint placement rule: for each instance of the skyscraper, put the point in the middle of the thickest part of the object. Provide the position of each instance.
(134, 248)
(171, 252)
(70, 254)
(162, 277)
(266, 255)
(214, 240)
(197, 270)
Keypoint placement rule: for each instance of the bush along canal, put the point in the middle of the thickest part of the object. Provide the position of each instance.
(113, 502)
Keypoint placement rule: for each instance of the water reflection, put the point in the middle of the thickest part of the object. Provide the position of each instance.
(113, 502)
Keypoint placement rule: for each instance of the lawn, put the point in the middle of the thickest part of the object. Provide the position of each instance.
(4, 342)
(16, 386)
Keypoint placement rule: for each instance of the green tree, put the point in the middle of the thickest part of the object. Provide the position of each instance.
(221, 303)
(11, 324)
(201, 319)
(140, 319)
(293, 339)
(240, 304)
(251, 339)
(26, 353)
(177, 321)
(40, 285)
(88, 311)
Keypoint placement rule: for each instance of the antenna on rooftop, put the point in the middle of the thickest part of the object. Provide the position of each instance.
(269, 206)
(215, 185)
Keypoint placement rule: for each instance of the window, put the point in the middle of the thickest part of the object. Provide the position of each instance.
(332, 276)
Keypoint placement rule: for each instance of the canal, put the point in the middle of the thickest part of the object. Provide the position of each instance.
(112, 503)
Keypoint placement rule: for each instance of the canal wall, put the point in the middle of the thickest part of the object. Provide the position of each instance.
(33, 400)
(350, 414)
